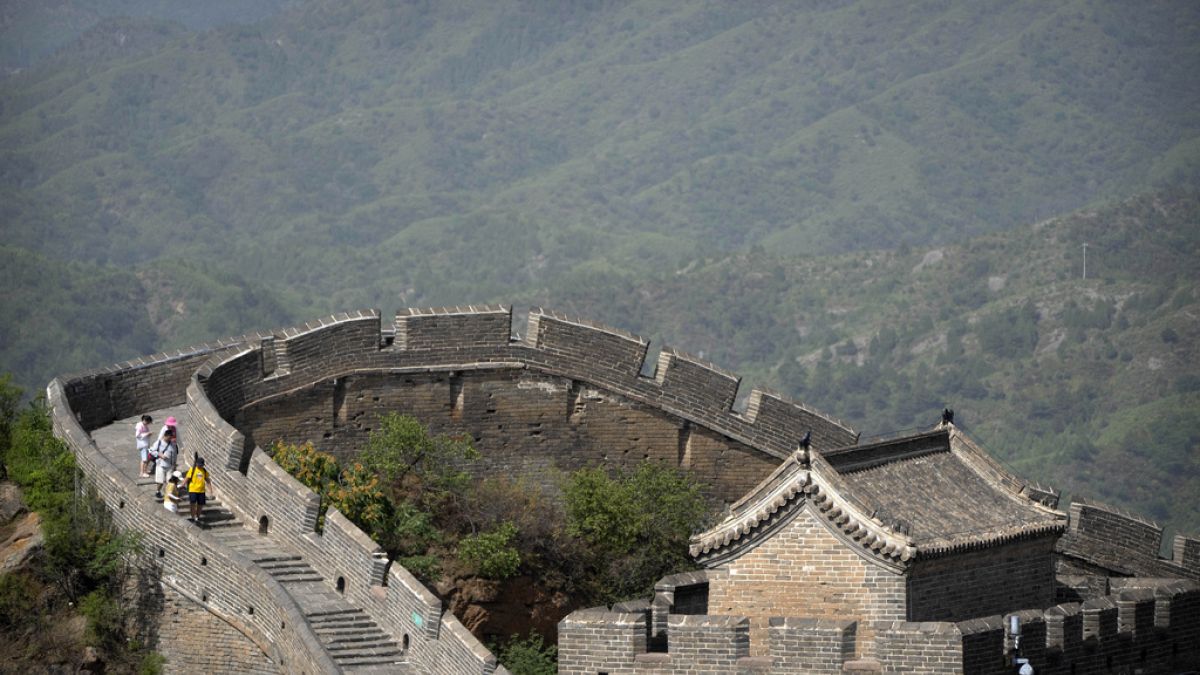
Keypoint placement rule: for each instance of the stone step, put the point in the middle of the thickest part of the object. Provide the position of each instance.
(351, 628)
(296, 575)
(336, 615)
(359, 622)
(386, 648)
(333, 612)
(388, 661)
(372, 653)
(336, 621)
(297, 580)
(375, 637)
(221, 524)
(277, 556)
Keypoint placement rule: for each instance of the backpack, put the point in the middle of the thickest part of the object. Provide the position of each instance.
(153, 450)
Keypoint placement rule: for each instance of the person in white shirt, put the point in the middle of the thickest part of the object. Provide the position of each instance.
(141, 434)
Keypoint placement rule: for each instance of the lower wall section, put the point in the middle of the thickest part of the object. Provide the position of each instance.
(194, 640)
(995, 580)
(524, 423)
(1149, 628)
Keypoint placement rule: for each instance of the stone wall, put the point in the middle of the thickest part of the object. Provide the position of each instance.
(804, 570)
(341, 552)
(463, 358)
(524, 422)
(979, 583)
(195, 640)
(1103, 540)
(227, 583)
(1149, 629)
(810, 645)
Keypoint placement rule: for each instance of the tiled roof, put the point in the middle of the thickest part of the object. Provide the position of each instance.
(923, 495)
(929, 488)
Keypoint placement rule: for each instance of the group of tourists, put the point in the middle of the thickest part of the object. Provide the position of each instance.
(162, 458)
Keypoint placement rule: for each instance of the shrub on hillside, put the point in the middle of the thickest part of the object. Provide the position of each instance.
(528, 656)
(415, 464)
(85, 560)
(491, 554)
(635, 526)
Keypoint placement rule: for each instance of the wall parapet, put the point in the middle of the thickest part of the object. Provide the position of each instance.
(1111, 541)
(1151, 624)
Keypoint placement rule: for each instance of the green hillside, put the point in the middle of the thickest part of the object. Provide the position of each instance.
(32, 30)
(832, 197)
(370, 149)
(1092, 386)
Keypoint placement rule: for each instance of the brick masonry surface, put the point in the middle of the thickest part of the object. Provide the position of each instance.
(803, 570)
(979, 583)
(194, 640)
(524, 423)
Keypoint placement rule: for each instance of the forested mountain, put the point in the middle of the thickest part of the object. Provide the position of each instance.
(832, 197)
(32, 30)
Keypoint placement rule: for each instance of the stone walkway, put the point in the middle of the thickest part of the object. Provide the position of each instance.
(348, 634)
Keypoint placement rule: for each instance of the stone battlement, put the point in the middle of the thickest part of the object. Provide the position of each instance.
(1104, 540)
(1154, 628)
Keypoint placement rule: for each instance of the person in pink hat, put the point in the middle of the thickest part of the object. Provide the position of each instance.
(170, 425)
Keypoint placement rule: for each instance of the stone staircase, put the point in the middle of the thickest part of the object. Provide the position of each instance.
(352, 638)
(347, 633)
(355, 642)
(213, 516)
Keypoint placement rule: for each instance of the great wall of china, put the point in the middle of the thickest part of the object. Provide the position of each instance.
(272, 594)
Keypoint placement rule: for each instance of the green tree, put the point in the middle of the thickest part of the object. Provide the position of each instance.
(491, 554)
(425, 468)
(635, 526)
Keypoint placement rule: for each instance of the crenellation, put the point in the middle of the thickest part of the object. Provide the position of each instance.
(785, 423)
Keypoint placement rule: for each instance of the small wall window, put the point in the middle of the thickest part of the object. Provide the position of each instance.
(404, 642)
(264, 524)
(341, 584)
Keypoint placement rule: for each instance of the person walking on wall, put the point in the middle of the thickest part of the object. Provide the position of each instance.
(168, 453)
(141, 434)
(196, 479)
(169, 426)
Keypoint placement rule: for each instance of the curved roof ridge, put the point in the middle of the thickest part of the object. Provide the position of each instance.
(996, 475)
(779, 489)
(820, 484)
(855, 518)
(963, 541)
(797, 461)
